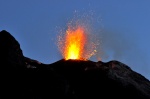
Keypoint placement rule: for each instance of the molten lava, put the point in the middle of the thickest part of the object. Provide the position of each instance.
(75, 44)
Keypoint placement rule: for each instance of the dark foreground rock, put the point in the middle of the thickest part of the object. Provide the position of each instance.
(25, 78)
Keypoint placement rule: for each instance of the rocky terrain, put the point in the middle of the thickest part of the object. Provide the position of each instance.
(25, 78)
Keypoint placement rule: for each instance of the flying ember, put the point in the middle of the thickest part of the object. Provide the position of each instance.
(75, 43)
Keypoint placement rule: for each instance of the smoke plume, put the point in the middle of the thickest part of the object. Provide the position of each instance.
(123, 47)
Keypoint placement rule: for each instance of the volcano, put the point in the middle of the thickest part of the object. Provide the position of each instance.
(26, 78)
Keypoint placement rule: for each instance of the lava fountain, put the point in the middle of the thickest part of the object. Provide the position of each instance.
(75, 43)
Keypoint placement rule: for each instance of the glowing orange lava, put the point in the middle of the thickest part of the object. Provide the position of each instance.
(74, 44)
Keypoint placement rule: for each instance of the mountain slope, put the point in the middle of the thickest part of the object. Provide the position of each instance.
(25, 78)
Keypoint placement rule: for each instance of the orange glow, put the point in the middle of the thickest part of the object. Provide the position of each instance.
(75, 43)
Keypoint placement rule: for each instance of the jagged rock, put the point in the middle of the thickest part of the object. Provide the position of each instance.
(95, 80)
(26, 78)
(31, 63)
(10, 50)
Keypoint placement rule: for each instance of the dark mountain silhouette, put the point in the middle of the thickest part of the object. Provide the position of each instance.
(25, 78)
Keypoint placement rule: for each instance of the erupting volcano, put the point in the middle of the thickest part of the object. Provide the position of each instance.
(26, 78)
(75, 43)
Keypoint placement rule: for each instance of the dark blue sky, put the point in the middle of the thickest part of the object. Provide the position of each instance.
(124, 28)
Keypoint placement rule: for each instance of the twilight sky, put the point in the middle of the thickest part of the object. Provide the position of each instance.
(123, 27)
